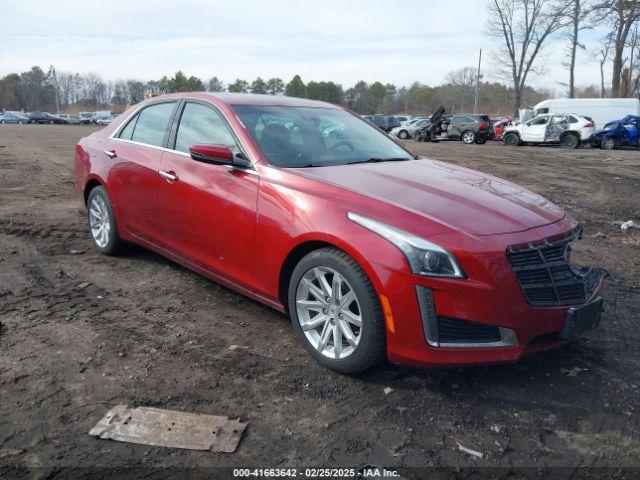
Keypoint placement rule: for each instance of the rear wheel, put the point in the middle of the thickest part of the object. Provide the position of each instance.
(335, 311)
(3, 121)
(570, 141)
(511, 139)
(102, 223)
(403, 134)
(50, 122)
(469, 137)
(608, 143)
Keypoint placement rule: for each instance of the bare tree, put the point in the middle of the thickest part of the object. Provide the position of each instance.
(621, 15)
(523, 26)
(578, 15)
(603, 57)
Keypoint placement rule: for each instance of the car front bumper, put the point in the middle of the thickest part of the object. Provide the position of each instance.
(495, 311)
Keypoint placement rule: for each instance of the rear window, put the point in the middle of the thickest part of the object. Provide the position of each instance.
(151, 124)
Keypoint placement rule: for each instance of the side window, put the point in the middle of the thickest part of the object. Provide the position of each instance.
(572, 119)
(152, 124)
(540, 111)
(200, 124)
(539, 121)
(457, 119)
(127, 131)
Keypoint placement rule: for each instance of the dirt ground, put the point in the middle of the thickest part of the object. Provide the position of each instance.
(82, 332)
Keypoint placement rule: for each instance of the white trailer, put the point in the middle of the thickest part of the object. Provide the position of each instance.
(600, 110)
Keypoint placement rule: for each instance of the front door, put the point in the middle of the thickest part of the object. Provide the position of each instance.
(208, 211)
(534, 130)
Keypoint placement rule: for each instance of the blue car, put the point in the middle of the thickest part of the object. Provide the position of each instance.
(13, 118)
(619, 133)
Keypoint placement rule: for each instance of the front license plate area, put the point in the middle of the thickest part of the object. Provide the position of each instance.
(582, 319)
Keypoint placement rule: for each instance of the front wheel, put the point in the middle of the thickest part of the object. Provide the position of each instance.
(3, 121)
(608, 143)
(335, 311)
(102, 222)
(469, 137)
(403, 134)
(511, 140)
(481, 141)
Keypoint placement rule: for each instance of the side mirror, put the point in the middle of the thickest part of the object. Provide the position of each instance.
(215, 154)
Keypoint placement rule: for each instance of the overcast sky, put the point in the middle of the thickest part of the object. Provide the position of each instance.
(343, 41)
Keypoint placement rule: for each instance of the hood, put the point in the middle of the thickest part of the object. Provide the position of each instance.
(456, 197)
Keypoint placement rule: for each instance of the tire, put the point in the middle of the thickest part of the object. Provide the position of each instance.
(369, 337)
(3, 121)
(403, 134)
(51, 122)
(481, 141)
(468, 137)
(20, 122)
(570, 141)
(608, 143)
(99, 211)
(511, 140)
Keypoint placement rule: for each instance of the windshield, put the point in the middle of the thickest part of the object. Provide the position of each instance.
(611, 126)
(295, 137)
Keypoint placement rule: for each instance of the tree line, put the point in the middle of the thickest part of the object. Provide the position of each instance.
(35, 90)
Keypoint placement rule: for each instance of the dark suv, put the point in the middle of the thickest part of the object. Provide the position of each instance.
(386, 123)
(468, 127)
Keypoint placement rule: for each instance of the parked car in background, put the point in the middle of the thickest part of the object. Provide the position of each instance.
(403, 119)
(599, 110)
(85, 117)
(44, 117)
(470, 128)
(498, 128)
(385, 122)
(105, 120)
(100, 114)
(71, 118)
(619, 133)
(11, 117)
(373, 252)
(409, 129)
(569, 130)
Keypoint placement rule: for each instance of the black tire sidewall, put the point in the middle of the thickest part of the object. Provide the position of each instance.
(574, 142)
(367, 353)
(510, 136)
(114, 244)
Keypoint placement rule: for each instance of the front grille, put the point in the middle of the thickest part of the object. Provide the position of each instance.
(546, 277)
(453, 330)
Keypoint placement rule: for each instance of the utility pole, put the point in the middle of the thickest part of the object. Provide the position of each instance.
(475, 103)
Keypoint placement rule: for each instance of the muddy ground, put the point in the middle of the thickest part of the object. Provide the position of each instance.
(82, 332)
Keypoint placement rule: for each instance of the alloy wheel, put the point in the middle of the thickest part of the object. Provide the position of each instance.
(608, 143)
(468, 137)
(99, 222)
(329, 312)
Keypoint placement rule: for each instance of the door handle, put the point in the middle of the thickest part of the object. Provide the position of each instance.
(110, 153)
(171, 176)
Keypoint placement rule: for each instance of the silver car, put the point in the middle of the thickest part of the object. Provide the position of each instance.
(408, 130)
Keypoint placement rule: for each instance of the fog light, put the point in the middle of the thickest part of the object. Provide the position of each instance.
(508, 337)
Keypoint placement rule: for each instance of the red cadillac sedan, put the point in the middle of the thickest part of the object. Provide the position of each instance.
(374, 252)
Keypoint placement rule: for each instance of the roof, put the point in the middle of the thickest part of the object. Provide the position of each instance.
(253, 99)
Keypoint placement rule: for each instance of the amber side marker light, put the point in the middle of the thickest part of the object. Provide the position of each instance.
(388, 316)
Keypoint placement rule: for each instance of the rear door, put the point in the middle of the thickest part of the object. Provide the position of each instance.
(134, 154)
(209, 211)
(459, 123)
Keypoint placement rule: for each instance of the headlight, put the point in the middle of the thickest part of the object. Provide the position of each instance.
(424, 257)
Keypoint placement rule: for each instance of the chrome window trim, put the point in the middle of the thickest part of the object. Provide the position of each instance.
(177, 100)
(155, 147)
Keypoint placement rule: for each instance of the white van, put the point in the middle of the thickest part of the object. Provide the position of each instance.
(600, 110)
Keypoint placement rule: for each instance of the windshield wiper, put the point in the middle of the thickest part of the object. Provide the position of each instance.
(378, 160)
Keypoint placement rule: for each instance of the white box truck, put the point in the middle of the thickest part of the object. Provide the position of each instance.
(600, 110)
